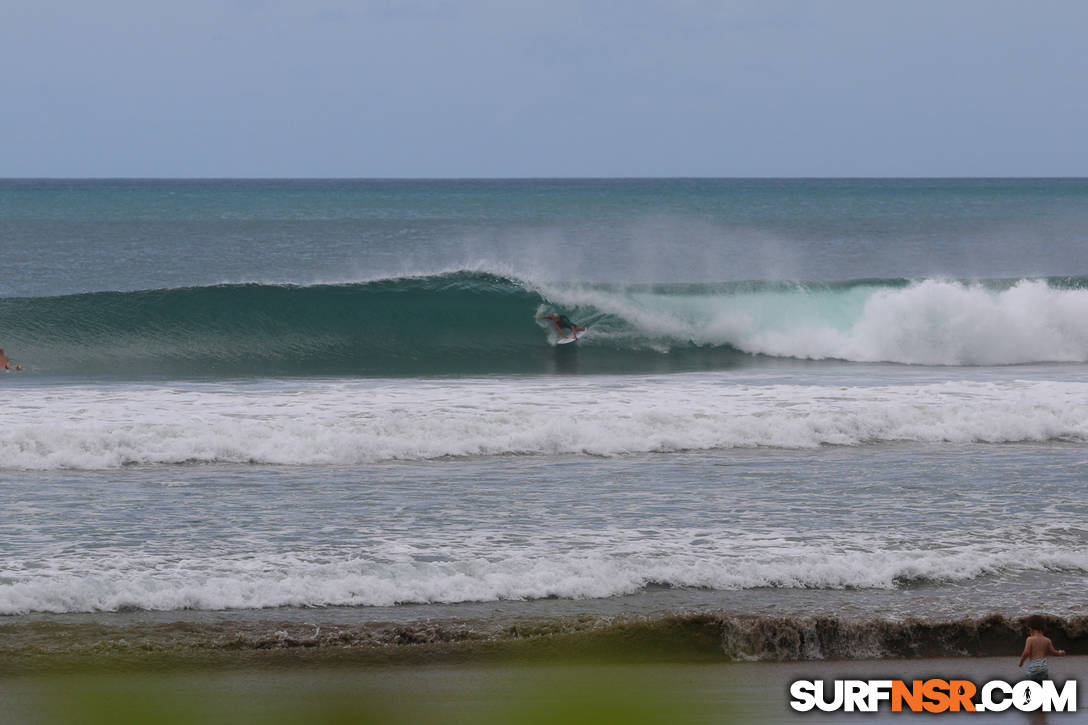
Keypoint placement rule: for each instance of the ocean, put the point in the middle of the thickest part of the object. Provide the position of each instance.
(835, 418)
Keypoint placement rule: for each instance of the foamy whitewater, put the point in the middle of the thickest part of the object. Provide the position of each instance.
(331, 401)
(367, 422)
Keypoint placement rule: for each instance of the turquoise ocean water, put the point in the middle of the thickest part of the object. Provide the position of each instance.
(252, 401)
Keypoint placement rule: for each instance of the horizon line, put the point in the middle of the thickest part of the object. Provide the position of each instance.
(538, 178)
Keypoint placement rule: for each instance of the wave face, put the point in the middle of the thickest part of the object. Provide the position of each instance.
(480, 323)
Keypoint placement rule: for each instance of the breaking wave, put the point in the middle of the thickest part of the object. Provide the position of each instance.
(479, 323)
(352, 422)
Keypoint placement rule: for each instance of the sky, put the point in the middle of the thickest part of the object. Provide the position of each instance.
(550, 88)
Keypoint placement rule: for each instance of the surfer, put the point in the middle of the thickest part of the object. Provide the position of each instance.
(5, 363)
(563, 322)
(1037, 648)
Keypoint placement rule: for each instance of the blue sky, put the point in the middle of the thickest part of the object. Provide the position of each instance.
(423, 88)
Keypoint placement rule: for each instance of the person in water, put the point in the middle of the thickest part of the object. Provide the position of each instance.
(562, 322)
(5, 363)
(1037, 648)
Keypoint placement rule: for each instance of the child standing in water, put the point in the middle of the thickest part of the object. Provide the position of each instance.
(1037, 648)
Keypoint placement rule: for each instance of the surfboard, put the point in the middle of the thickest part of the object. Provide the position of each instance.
(575, 338)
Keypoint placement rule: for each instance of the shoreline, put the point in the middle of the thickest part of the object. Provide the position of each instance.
(68, 645)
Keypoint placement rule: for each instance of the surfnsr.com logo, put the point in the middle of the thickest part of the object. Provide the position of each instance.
(933, 695)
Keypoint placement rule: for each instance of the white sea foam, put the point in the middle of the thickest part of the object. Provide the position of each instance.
(613, 564)
(930, 322)
(353, 422)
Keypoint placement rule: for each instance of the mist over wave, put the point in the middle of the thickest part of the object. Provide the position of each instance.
(467, 322)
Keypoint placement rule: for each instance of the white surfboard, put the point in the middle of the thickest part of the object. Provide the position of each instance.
(575, 337)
